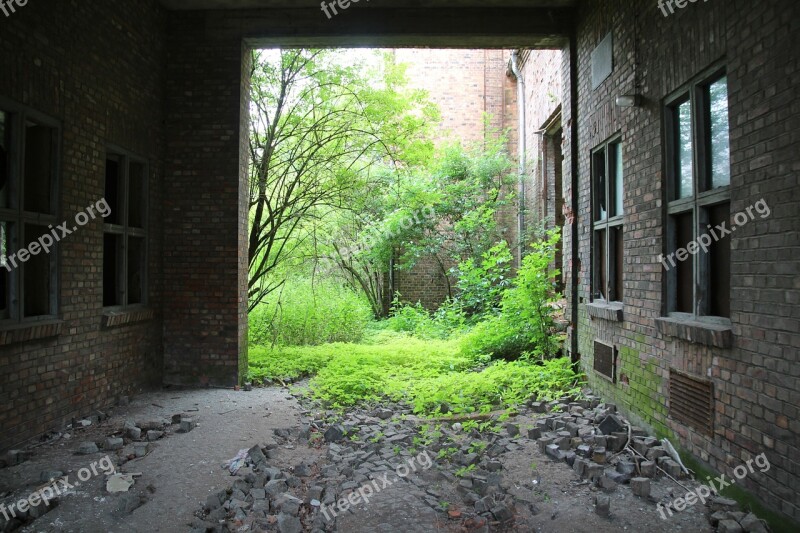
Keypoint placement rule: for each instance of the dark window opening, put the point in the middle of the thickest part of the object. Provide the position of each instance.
(125, 233)
(28, 209)
(698, 190)
(607, 220)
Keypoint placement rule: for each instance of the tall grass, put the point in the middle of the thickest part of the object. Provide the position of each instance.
(308, 311)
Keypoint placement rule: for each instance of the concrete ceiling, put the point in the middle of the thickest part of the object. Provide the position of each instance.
(386, 4)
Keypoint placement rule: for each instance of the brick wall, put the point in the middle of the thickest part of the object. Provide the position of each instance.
(467, 86)
(98, 69)
(755, 381)
(205, 222)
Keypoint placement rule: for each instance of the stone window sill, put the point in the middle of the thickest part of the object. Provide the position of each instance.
(611, 311)
(30, 331)
(117, 318)
(718, 334)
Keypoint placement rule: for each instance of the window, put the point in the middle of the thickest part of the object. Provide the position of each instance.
(607, 218)
(28, 208)
(698, 198)
(125, 231)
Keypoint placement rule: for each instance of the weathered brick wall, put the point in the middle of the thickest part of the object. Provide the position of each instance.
(756, 381)
(205, 202)
(97, 68)
(467, 86)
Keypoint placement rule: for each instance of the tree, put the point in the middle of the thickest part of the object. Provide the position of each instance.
(318, 129)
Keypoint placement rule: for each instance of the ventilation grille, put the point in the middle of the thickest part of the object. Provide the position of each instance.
(691, 401)
(604, 361)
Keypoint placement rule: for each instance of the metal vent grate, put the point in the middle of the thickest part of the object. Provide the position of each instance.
(691, 401)
(605, 360)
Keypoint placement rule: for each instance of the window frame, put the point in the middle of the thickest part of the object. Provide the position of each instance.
(703, 196)
(609, 224)
(18, 116)
(125, 231)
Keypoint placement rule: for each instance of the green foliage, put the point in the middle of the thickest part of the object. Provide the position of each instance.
(428, 374)
(525, 325)
(481, 284)
(443, 323)
(310, 312)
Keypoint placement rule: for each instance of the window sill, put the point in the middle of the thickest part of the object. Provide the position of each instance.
(717, 334)
(117, 318)
(611, 311)
(30, 331)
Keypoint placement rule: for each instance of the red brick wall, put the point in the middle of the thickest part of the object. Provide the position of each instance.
(757, 396)
(466, 85)
(97, 68)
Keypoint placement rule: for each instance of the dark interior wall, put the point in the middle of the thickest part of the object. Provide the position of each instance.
(97, 68)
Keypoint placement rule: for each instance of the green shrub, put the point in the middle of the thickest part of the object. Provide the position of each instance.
(481, 285)
(525, 325)
(443, 323)
(310, 312)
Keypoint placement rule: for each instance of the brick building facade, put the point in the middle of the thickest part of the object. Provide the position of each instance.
(148, 100)
(704, 352)
(468, 87)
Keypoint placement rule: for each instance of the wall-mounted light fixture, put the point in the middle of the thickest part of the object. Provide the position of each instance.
(628, 100)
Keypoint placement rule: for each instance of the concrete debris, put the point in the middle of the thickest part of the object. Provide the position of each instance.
(119, 482)
(87, 448)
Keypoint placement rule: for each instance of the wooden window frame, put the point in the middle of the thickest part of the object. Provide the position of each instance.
(607, 225)
(18, 116)
(702, 198)
(125, 231)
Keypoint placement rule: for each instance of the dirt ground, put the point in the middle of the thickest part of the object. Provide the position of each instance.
(182, 469)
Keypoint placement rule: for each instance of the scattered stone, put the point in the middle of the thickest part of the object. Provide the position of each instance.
(647, 468)
(610, 424)
(384, 414)
(141, 448)
(718, 503)
(214, 501)
(752, 524)
(49, 475)
(127, 504)
(502, 513)
(154, 435)
(276, 487)
(334, 433)
(87, 448)
(248, 387)
(257, 456)
(289, 524)
(602, 505)
(512, 430)
(114, 443)
(641, 486)
(729, 526)
(187, 425)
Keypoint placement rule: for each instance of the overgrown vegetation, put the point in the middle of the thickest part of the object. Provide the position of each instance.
(310, 311)
(431, 375)
(345, 186)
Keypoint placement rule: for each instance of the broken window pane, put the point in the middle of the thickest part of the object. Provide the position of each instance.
(114, 190)
(719, 265)
(38, 177)
(615, 180)
(5, 164)
(684, 150)
(684, 233)
(36, 275)
(136, 187)
(719, 141)
(112, 253)
(136, 270)
(599, 185)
